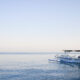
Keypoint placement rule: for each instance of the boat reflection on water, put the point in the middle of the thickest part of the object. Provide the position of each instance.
(65, 63)
(71, 64)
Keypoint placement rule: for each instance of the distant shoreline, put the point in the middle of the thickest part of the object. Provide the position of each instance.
(29, 52)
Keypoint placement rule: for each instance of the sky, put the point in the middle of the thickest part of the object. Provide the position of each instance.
(39, 25)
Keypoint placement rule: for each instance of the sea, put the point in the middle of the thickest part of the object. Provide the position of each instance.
(35, 66)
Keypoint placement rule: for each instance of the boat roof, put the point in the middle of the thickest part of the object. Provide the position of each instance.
(71, 50)
(77, 50)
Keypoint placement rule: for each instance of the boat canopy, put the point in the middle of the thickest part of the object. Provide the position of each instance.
(67, 50)
(71, 50)
(77, 50)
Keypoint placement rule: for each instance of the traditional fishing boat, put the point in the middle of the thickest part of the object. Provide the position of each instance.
(67, 58)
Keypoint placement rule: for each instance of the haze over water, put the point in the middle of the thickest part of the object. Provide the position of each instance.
(38, 26)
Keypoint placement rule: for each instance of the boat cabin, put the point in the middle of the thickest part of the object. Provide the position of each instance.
(71, 50)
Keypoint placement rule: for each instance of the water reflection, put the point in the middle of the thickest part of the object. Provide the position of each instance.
(71, 64)
(36, 67)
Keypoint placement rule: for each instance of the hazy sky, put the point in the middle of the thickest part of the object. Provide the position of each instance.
(39, 25)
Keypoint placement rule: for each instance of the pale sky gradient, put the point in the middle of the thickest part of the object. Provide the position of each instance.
(39, 25)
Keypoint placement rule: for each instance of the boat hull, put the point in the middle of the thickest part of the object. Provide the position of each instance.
(69, 60)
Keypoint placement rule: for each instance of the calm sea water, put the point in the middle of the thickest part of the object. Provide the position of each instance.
(36, 67)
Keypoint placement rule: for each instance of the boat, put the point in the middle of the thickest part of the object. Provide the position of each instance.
(67, 58)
